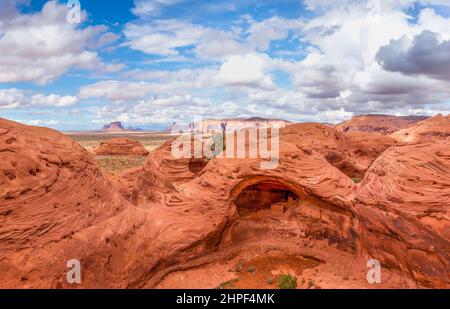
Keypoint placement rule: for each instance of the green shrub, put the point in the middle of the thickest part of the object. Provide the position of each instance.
(228, 284)
(356, 180)
(287, 282)
(251, 269)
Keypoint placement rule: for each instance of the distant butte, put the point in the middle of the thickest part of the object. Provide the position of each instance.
(118, 126)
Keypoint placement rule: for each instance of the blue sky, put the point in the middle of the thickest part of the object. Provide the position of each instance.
(149, 63)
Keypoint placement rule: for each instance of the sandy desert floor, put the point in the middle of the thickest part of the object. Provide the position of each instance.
(150, 140)
(111, 164)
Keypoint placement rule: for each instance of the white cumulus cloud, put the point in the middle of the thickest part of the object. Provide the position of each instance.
(248, 71)
(14, 98)
(115, 90)
(41, 47)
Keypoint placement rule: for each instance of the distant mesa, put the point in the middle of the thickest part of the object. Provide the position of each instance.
(117, 126)
(231, 124)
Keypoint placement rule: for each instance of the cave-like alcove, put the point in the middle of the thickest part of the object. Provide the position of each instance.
(265, 196)
(197, 165)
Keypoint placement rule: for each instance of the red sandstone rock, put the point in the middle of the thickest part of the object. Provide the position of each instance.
(321, 191)
(434, 129)
(365, 147)
(383, 124)
(404, 208)
(326, 141)
(50, 187)
(121, 147)
(55, 205)
(126, 181)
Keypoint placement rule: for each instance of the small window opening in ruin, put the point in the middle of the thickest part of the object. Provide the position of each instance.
(265, 196)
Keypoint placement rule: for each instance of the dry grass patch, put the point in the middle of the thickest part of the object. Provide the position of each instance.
(117, 164)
